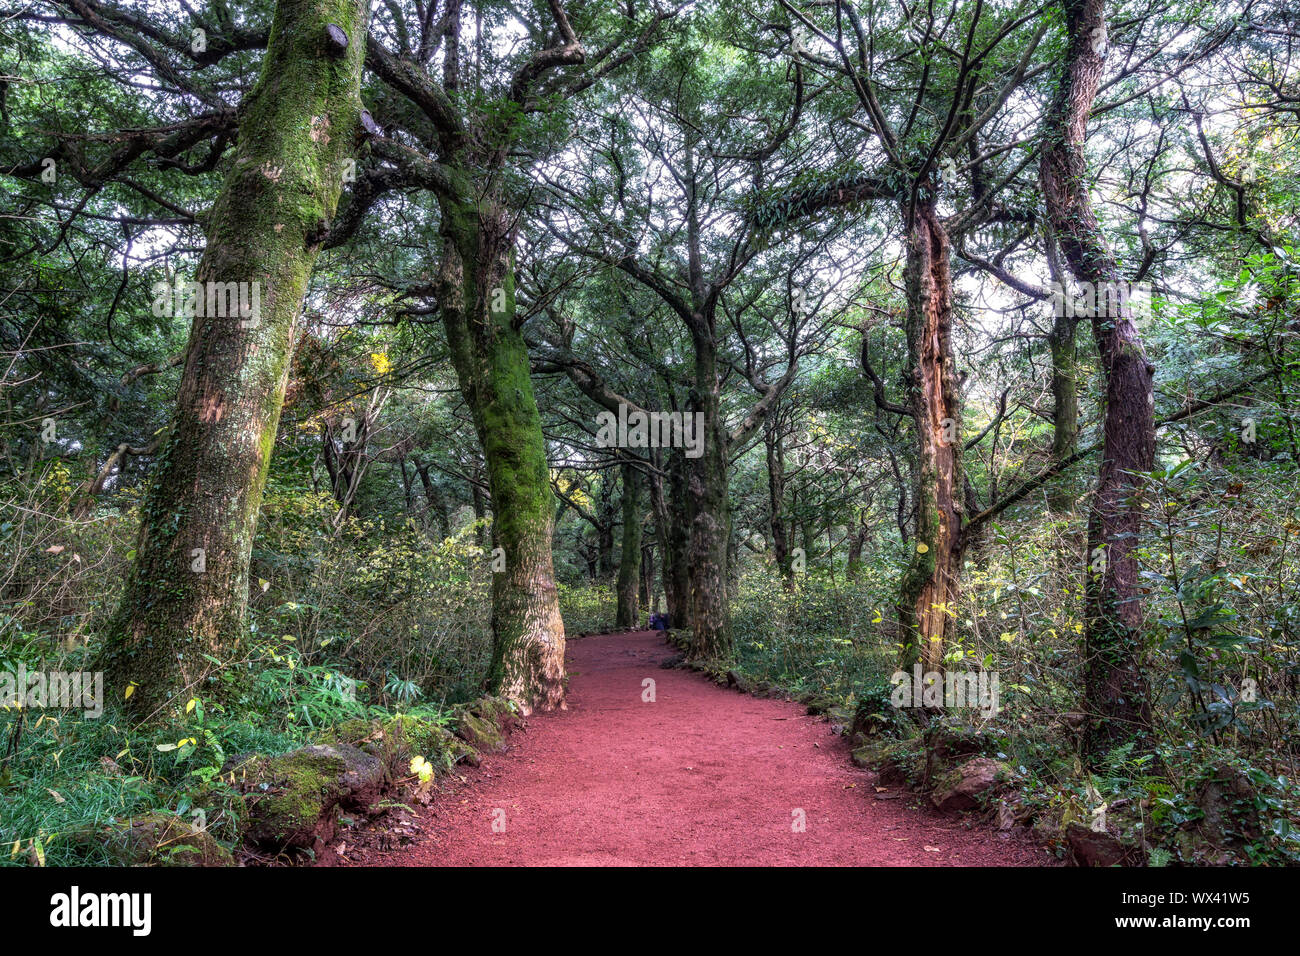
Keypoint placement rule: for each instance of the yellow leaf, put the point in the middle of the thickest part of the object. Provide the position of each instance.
(190, 706)
(922, 547)
(130, 689)
(17, 848)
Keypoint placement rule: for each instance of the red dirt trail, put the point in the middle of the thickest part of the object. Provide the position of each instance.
(702, 776)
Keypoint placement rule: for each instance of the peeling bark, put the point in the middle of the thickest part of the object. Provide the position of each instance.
(930, 582)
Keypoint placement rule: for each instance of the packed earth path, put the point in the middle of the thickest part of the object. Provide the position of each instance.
(702, 775)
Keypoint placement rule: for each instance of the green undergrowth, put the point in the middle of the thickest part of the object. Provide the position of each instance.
(1216, 792)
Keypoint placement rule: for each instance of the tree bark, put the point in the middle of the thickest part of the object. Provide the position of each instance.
(629, 565)
(1065, 401)
(710, 509)
(777, 520)
(1065, 380)
(476, 296)
(930, 582)
(860, 534)
(186, 594)
(436, 501)
(1115, 686)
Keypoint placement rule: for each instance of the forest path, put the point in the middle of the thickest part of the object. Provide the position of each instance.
(704, 775)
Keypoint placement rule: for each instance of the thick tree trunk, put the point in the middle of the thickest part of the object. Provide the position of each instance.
(710, 513)
(931, 580)
(629, 565)
(186, 595)
(1117, 696)
(476, 296)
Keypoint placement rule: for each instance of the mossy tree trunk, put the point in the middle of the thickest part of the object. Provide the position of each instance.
(476, 297)
(778, 521)
(629, 565)
(931, 579)
(186, 594)
(710, 506)
(1115, 686)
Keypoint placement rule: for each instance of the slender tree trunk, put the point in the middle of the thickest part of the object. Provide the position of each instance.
(605, 529)
(1117, 696)
(648, 598)
(676, 560)
(186, 594)
(479, 503)
(931, 580)
(435, 499)
(776, 499)
(476, 296)
(1065, 380)
(859, 535)
(629, 565)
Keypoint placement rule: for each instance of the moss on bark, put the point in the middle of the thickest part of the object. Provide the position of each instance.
(187, 592)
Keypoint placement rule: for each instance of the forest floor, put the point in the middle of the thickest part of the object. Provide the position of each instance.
(702, 776)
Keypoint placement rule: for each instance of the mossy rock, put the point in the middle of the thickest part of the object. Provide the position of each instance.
(496, 709)
(952, 742)
(679, 638)
(971, 786)
(293, 799)
(397, 740)
(840, 717)
(413, 736)
(485, 723)
(817, 703)
(163, 839)
(1090, 847)
(482, 734)
(739, 681)
(714, 670)
(894, 760)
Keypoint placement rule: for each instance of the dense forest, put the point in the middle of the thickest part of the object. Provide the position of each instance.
(935, 365)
